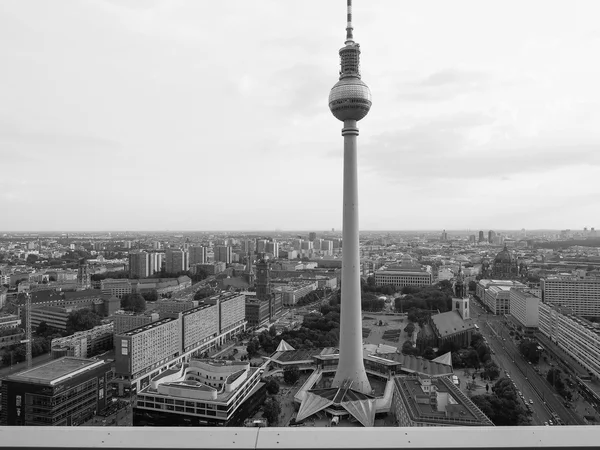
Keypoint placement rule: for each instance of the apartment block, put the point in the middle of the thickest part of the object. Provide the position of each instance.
(125, 320)
(177, 261)
(232, 311)
(84, 344)
(223, 253)
(524, 306)
(580, 295)
(575, 335)
(198, 255)
(200, 325)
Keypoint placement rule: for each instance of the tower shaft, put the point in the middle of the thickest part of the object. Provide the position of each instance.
(351, 365)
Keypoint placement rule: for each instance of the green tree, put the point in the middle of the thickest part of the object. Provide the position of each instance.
(42, 328)
(491, 370)
(429, 353)
(503, 407)
(133, 302)
(150, 296)
(408, 348)
(271, 410)
(203, 293)
(291, 374)
(252, 348)
(410, 328)
(31, 258)
(272, 386)
(81, 320)
(472, 286)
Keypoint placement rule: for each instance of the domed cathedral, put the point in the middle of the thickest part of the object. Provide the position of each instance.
(506, 266)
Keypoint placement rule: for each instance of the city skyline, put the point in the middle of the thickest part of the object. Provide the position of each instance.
(158, 115)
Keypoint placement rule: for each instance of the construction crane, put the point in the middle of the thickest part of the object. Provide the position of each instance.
(28, 339)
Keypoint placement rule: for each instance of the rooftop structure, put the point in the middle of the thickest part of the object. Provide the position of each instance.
(55, 371)
(423, 401)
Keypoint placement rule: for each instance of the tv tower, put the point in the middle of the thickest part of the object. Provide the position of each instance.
(350, 101)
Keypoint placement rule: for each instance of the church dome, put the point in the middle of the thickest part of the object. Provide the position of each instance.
(504, 257)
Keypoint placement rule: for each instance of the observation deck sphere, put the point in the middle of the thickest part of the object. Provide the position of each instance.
(350, 99)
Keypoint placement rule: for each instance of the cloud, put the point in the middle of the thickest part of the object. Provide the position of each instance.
(443, 148)
(444, 85)
(19, 145)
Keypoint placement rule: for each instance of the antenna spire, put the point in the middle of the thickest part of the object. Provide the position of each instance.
(349, 27)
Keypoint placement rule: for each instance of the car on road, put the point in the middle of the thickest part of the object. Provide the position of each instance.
(531, 401)
(546, 423)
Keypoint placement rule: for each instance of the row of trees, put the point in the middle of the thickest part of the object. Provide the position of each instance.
(529, 349)
(554, 377)
(503, 407)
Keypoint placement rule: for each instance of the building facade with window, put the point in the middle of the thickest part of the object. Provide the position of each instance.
(580, 295)
(575, 335)
(63, 392)
(200, 393)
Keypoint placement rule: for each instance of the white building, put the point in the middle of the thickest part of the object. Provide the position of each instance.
(576, 336)
(495, 294)
(524, 306)
(581, 295)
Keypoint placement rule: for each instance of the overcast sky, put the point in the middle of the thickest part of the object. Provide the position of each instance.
(197, 115)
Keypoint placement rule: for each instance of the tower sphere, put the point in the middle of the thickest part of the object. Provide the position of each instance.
(350, 99)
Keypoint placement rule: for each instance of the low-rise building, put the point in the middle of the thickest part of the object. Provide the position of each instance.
(84, 344)
(403, 275)
(116, 287)
(200, 393)
(294, 292)
(421, 401)
(9, 321)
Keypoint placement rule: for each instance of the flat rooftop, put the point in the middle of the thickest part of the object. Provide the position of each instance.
(53, 371)
(147, 327)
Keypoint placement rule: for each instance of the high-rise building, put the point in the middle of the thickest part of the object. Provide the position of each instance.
(139, 264)
(578, 337)
(273, 248)
(261, 245)
(350, 101)
(580, 295)
(263, 280)
(492, 237)
(524, 306)
(224, 253)
(197, 255)
(481, 237)
(84, 279)
(248, 246)
(177, 261)
(156, 262)
(444, 236)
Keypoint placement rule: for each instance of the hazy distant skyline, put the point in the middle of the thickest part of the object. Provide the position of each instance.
(190, 115)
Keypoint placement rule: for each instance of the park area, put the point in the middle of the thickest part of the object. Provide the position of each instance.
(386, 329)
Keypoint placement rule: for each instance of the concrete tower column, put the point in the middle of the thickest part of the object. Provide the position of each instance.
(351, 365)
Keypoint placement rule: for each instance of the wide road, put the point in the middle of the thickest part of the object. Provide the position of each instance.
(529, 382)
